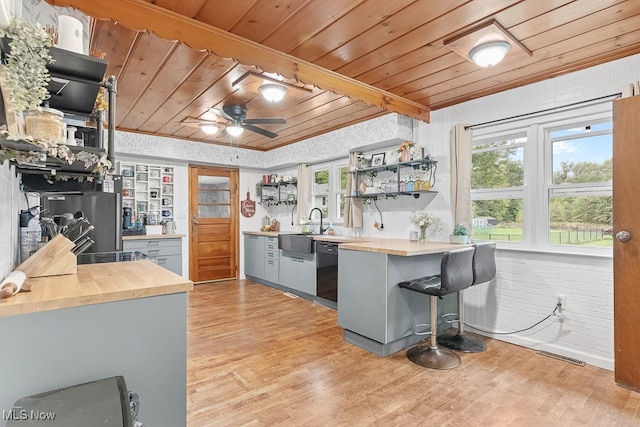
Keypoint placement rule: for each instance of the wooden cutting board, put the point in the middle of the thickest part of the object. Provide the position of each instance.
(248, 206)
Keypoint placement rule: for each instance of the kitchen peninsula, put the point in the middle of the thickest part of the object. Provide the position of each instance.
(373, 311)
(126, 318)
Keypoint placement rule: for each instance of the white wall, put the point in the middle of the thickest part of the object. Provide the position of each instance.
(527, 281)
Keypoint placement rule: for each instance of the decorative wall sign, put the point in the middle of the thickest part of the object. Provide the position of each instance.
(248, 206)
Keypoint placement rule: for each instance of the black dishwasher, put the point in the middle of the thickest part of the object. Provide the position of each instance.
(327, 270)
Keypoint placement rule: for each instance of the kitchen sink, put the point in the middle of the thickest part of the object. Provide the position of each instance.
(302, 243)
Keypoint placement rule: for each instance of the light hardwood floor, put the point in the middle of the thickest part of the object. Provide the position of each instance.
(258, 357)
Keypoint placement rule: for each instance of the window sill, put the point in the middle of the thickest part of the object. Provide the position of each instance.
(604, 254)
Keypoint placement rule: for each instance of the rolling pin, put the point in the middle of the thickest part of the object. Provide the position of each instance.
(12, 284)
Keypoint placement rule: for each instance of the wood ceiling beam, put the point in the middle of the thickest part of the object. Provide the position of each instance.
(142, 15)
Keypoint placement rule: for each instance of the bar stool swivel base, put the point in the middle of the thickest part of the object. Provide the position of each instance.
(435, 358)
(463, 343)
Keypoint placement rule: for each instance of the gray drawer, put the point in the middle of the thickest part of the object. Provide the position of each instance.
(271, 254)
(155, 247)
(170, 262)
(271, 244)
(271, 267)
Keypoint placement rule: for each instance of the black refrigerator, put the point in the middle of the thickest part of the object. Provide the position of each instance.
(101, 207)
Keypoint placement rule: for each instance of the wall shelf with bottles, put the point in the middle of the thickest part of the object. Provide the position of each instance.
(148, 188)
(411, 178)
(276, 193)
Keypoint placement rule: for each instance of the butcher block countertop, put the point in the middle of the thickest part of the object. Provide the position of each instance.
(401, 247)
(95, 284)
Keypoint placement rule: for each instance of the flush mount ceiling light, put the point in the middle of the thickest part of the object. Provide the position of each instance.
(490, 53)
(234, 130)
(209, 128)
(273, 92)
(487, 44)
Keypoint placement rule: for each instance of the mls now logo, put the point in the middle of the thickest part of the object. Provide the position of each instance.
(24, 415)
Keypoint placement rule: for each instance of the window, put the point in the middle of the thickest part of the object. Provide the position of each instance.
(579, 187)
(321, 191)
(329, 189)
(497, 182)
(341, 192)
(546, 182)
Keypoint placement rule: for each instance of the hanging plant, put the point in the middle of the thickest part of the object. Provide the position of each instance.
(25, 73)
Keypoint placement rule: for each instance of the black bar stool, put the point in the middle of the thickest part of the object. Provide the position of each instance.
(484, 269)
(455, 274)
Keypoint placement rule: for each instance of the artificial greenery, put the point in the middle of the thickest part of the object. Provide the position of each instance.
(26, 77)
(460, 230)
(101, 164)
(26, 74)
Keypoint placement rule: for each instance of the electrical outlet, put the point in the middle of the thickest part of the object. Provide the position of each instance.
(562, 301)
(561, 306)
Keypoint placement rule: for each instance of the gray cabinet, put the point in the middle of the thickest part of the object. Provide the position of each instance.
(166, 251)
(375, 313)
(254, 256)
(298, 271)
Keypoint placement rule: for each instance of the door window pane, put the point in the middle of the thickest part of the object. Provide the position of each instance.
(213, 197)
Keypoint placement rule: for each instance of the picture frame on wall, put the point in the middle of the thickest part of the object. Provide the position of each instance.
(377, 159)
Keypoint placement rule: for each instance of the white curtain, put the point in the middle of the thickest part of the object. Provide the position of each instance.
(352, 207)
(461, 139)
(304, 191)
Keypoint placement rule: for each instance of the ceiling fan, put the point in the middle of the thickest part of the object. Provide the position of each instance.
(237, 122)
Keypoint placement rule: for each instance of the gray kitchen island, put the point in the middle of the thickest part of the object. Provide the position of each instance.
(375, 313)
(118, 318)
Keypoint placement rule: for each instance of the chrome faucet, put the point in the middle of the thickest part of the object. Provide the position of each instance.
(322, 230)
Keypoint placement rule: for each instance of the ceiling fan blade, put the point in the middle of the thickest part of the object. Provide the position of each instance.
(259, 130)
(267, 121)
(222, 114)
(195, 123)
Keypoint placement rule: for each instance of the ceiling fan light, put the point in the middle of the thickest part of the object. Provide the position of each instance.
(273, 92)
(234, 130)
(490, 53)
(209, 128)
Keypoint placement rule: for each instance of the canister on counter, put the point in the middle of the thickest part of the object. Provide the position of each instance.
(46, 124)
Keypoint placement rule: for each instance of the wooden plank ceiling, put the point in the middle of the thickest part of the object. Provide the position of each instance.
(385, 56)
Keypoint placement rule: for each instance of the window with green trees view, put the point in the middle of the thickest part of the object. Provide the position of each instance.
(497, 176)
(545, 185)
(329, 188)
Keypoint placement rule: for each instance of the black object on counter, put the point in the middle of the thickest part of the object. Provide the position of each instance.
(126, 217)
